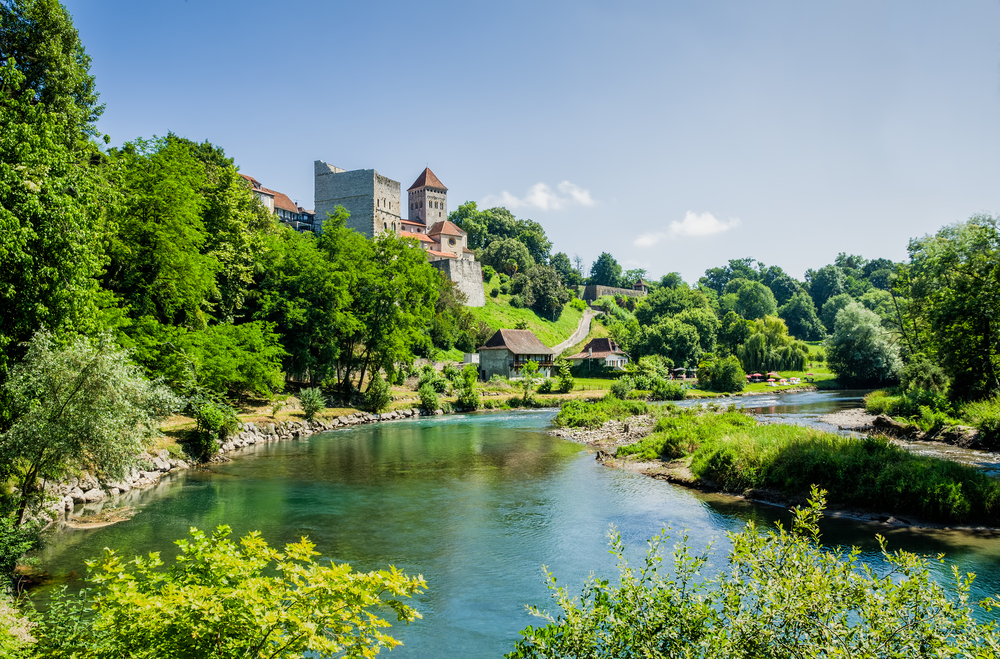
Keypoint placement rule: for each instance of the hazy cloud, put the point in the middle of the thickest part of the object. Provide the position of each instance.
(543, 197)
(693, 224)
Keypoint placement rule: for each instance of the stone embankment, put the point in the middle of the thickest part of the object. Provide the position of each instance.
(66, 499)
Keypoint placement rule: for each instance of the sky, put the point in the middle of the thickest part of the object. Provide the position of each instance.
(674, 135)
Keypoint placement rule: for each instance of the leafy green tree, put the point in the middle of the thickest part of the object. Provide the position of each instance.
(528, 372)
(545, 292)
(428, 397)
(53, 67)
(781, 595)
(52, 224)
(605, 271)
(955, 290)
(722, 374)
(769, 347)
(236, 360)
(825, 283)
(799, 314)
(313, 402)
(570, 277)
(158, 262)
(226, 599)
(670, 338)
(507, 255)
(81, 406)
(749, 299)
(832, 307)
(784, 289)
(468, 393)
(717, 279)
(734, 331)
(632, 277)
(860, 350)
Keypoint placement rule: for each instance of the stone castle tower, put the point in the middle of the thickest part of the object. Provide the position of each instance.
(428, 199)
(372, 199)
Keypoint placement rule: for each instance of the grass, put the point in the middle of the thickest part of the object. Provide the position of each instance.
(498, 314)
(823, 378)
(735, 452)
(932, 411)
(594, 414)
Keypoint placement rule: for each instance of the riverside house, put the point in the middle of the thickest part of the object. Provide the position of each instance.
(509, 349)
(599, 353)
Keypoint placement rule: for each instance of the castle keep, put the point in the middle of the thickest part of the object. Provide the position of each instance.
(374, 202)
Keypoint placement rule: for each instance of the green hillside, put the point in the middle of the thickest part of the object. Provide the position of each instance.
(498, 314)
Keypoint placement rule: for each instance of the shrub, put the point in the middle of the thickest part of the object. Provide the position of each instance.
(781, 594)
(621, 387)
(214, 423)
(505, 288)
(488, 273)
(222, 598)
(985, 416)
(451, 373)
(468, 395)
(428, 397)
(431, 377)
(378, 397)
(725, 374)
(545, 387)
(447, 407)
(593, 414)
(494, 292)
(313, 402)
(663, 389)
(517, 301)
(578, 304)
(638, 394)
(565, 375)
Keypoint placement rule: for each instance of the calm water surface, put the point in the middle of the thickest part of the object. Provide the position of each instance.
(477, 504)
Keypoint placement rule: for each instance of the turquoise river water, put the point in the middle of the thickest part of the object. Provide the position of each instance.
(477, 503)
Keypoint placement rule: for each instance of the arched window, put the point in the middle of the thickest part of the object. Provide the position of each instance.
(385, 226)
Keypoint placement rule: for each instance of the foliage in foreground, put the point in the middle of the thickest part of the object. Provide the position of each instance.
(782, 595)
(227, 599)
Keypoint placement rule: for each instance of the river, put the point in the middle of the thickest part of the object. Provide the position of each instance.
(477, 503)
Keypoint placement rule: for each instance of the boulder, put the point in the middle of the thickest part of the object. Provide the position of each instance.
(76, 495)
(888, 426)
(94, 495)
(160, 463)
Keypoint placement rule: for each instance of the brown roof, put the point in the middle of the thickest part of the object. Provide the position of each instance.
(519, 342)
(466, 250)
(418, 224)
(445, 227)
(254, 182)
(444, 255)
(603, 347)
(427, 179)
(418, 236)
(282, 201)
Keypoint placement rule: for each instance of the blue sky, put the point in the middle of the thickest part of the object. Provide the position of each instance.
(675, 135)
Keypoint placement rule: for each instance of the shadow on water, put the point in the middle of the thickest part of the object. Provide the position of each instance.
(476, 503)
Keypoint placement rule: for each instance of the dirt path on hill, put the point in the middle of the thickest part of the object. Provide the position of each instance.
(582, 330)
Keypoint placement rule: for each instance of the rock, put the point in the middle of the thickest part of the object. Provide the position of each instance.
(964, 436)
(163, 454)
(76, 495)
(94, 495)
(271, 429)
(160, 463)
(886, 425)
(114, 491)
(87, 482)
(151, 476)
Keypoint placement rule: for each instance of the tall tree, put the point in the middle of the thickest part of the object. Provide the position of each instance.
(605, 271)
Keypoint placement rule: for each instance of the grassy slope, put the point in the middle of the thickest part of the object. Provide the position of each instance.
(498, 314)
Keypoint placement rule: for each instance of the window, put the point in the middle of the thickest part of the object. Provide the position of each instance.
(451, 241)
(385, 226)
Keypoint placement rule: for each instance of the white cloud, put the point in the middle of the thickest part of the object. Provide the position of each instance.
(693, 224)
(543, 197)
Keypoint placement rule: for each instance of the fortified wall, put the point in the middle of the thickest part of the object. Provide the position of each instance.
(591, 293)
(371, 199)
(468, 278)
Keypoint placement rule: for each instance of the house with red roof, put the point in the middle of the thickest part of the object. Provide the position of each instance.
(288, 212)
(602, 352)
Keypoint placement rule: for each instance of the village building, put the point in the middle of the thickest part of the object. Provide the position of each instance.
(508, 350)
(598, 353)
(288, 212)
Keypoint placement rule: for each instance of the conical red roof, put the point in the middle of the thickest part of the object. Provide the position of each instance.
(427, 179)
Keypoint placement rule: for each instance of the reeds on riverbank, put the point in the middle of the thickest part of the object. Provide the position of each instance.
(737, 453)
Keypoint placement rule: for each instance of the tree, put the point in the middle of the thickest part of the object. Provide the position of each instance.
(560, 262)
(53, 68)
(565, 369)
(528, 372)
(722, 374)
(507, 255)
(670, 338)
(860, 350)
(800, 315)
(782, 595)
(955, 290)
(605, 271)
(784, 289)
(832, 307)
(825, 283)
(378, 397)
(753, 299)
(544, 291)
(226, 599)
(236, 360)
(468, 394)
(769, 347)
(718, 278)
(52, 223)
(79, 406)
(632, 277)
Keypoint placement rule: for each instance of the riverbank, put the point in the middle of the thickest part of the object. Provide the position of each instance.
(731, 454)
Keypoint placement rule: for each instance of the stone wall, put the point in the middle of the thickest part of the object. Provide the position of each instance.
(591, 293)
(468, 277)
(494, 362)
(372, 199)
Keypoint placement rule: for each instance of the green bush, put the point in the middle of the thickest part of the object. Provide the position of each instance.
(985, 416)
(781, 594)
(545, 387)
(379, 396)
(565, 369)
(663, 389)
(214, 423)
(428, 397)
(431, 377)
(505, 287)
(313, 402)
(578, 304)
(494, 292)
(517, 301)
(488, 273)
(638, 394)
(621, 387)
(593, 414)
(468, 394)
(725, 374)
(15, 542)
